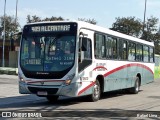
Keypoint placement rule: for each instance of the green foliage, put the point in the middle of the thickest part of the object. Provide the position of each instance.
(135, 27)
(130, 26)
(38, 19)
(157, 72)
(92, 21)
(150, 29)
(33, 19)
(10, 25)
(54, 19)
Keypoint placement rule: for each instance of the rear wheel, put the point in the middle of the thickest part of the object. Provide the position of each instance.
(136, 87)
(96, 92)
(52, 98)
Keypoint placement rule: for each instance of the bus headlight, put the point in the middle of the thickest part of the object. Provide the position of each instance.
(67, 82)
(20, 78)
(69, 79)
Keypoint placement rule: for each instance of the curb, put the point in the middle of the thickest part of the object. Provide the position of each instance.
(8, 71)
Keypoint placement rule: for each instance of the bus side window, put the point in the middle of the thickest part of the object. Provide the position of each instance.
(120, 50)
(151, 54)
(100, 48)
(131, 51)
(139, 54)
(88, 52)
(85, 55)
(146, 53)
(124, 52)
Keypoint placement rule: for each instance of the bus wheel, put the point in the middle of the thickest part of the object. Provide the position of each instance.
(136, 87)
(52, 98)
(95, 96)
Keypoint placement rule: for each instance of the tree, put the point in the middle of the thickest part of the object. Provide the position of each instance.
(150, 29)
(134, 27)
(54, 19)
(130, 26)
(38, 19)
(10, 25)
(92, 21)
(33, 19)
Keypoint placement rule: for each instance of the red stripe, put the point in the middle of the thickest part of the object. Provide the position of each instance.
(30, 81)
(126, 66)
(100, 67)
(90, 85)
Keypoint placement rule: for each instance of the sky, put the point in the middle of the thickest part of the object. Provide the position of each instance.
(103, 11)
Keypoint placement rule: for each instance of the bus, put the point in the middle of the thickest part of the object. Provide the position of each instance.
(75, 58)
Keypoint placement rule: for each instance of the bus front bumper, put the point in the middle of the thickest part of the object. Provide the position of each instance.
(64, 90)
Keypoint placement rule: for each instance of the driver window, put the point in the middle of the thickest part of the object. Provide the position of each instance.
(86, 55)
(88, 52)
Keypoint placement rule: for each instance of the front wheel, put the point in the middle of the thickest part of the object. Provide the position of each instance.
(136, 87)
(52, 98)
(96, 92)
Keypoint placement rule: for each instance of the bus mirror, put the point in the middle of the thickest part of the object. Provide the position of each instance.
(84, 44)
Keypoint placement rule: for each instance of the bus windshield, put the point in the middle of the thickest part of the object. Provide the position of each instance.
(47, 53)
(48, 49)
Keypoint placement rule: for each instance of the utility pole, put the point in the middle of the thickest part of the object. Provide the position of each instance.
(144, 15)
(16, 13)
(4, 35)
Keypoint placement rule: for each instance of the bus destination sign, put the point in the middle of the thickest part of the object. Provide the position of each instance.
(51, 28)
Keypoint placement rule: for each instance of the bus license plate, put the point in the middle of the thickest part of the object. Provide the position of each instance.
(42, 93)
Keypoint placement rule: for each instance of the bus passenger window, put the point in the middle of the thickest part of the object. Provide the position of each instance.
(151, 54)
(111, 47)
(145, 53)
(139, 55)
(100, 49)
(131, 51)
(124, 54)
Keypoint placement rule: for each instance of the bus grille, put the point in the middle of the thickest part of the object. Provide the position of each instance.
(48, 90)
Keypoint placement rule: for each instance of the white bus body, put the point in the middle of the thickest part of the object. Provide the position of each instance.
(95, 60)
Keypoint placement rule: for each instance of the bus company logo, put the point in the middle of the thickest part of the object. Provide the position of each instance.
(6, 114)
(42, 73)
(100, 68)
(42, 83)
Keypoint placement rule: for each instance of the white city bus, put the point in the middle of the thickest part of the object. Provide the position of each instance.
(80, 59)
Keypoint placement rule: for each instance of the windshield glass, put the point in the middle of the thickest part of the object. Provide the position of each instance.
(47, 53)
(48, 49)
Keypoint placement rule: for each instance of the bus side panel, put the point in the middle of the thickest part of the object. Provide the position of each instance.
(147, 76)
(124, 76)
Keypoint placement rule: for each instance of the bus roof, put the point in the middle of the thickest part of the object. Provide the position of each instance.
(113, 33)
(97, 28)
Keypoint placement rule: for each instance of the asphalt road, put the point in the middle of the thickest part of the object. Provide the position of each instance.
(144, 105)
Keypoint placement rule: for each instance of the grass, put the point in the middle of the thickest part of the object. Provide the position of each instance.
(157, 72)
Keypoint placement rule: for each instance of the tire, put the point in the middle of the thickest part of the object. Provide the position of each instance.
(52, 99)
(136, 87)
(96, 92)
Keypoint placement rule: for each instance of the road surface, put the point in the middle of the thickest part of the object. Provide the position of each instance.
(144, 105)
